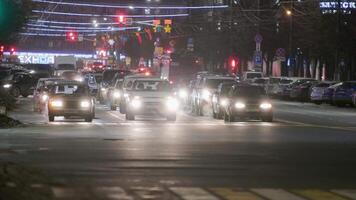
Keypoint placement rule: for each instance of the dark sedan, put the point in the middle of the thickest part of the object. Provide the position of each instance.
(248, 102)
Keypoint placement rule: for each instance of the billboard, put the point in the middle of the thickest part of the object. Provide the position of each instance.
(332, 6)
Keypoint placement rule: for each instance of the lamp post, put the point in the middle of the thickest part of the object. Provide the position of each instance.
(289, 13)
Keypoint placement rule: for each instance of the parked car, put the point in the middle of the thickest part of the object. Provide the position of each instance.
(301, 92)
(317, 94)
(20, 84)
(280, 90)
(205, 89)
(68, 98)
(247, 102)
(220, 100)
(286, 92)
(261, 82)
(271, 84)
(329, 93)
(343, 93)
(151, 96)
(250, 75)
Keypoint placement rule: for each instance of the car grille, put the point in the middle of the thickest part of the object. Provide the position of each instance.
(71, 104)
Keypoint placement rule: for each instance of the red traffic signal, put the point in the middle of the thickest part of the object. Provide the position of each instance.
(72, 36)
(121, 19)
(12, 51)
(2, 48)
(233, 64)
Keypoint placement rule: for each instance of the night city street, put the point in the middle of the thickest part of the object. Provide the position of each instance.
(178, 100)
(300, 150)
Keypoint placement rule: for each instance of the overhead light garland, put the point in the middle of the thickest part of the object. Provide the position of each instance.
(133, 7)
(96, 15)
(82, 23)
(85, 31)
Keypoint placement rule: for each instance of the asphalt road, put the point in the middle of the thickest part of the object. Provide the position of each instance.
(309, 152)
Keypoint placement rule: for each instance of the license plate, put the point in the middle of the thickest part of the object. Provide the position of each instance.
(252, 110)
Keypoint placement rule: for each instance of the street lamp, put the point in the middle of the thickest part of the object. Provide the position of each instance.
(288, 12)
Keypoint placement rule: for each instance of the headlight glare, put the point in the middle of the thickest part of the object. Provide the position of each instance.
(57, 103)
(206, 94)
(44, 97)
(6, 86)
(224, 102)
(172, 103)
(116, 94)
(85, 104)
(240, 105)
(136, 103)
(183, 93)
(266, 106)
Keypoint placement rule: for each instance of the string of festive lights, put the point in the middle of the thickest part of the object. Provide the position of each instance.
(133, 7)
(52, 34)
(85, 31)
(96, 15)
(82, 23)
(66, 27)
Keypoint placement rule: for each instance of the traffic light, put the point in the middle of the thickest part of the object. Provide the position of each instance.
(233, 64)
(121, 19)
(2, 49)
(72, 36)
(12, 51)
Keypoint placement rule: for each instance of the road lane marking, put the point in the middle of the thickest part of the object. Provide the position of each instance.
(276, 194)
(231, 194)
(314, 194)
(113, 193)
(192, 193)
(352, 128)
(346, 193)
(60, 192)
(116, 116)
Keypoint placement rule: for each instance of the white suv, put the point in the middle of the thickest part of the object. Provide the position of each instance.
(151, 96)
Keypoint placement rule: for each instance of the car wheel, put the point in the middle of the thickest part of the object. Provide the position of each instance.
(122, 109)
(51, 118)
(88, 118)
(317, 102)
(25, 95)
(112, 107)
(172, 118)
(15, 92)
(267, 118)
(130, 116)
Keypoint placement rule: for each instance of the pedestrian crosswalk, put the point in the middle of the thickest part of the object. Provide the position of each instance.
(199, 193)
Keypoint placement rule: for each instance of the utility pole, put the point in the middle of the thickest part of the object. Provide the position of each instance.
(291, 39)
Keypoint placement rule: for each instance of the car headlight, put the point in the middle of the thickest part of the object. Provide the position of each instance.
(240, 105)
(7, 86)
(44, 97)
(136, 102)
(116, 94)
(183, 93)
(224, 102)
(206, 94)
(103, 89)
(79, 79)
(57, 103)
(172, 103)
(266, 106)
(32, 71)
(85, 104)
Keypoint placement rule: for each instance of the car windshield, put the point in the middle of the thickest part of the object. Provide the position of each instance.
(322, 85)
(274, 80)
(249, 92)
(151, 86)
(69, 89)
(285, 81)
(226, 89)
(253, 75)
(260, 81)
(98, 78)
(214, 83)
(65, 67)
